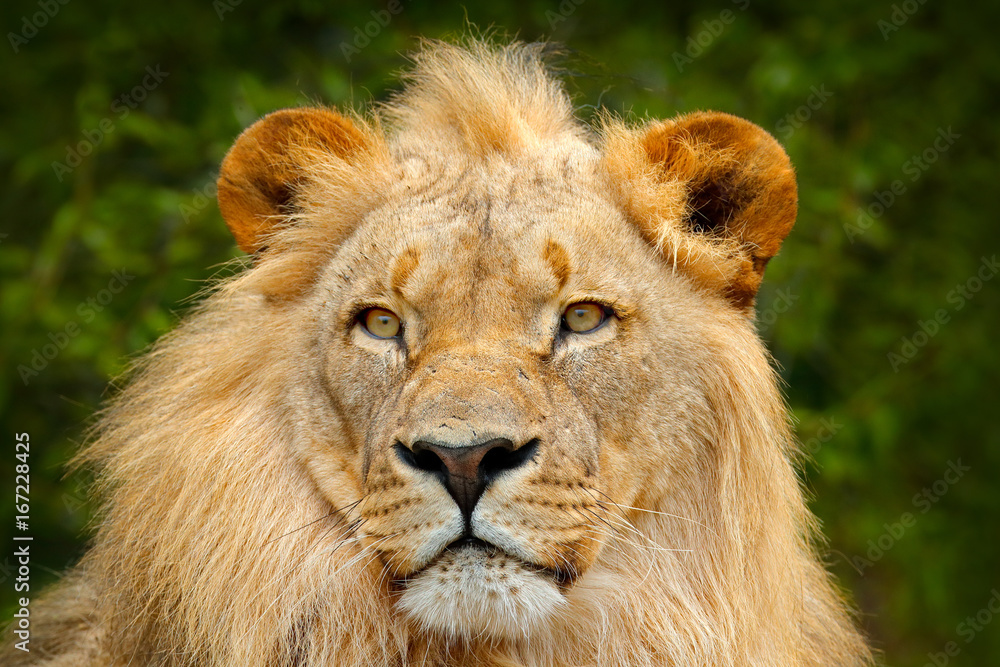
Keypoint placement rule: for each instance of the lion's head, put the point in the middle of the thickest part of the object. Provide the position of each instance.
(491, 393)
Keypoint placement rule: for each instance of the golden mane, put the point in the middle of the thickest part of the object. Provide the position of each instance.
(477, 99)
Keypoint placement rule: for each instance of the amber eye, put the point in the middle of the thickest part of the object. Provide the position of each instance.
(381, 323)
(584, 317)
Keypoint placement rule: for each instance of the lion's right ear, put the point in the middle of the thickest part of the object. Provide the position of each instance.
(716, 194)
(262, 172)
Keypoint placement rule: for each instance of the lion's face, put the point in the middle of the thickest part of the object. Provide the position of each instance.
(508, 337)
(503, 356)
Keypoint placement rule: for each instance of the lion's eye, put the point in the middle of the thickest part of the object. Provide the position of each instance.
(381, 323)
(584, 317)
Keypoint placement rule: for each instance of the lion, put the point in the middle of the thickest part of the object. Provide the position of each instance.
(489, 393)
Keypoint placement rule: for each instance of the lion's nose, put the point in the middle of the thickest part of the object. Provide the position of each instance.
(467, 471)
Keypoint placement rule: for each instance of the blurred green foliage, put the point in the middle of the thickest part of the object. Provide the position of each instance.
(855, 101)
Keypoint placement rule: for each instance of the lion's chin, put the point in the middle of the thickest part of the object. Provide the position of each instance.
(480, 593)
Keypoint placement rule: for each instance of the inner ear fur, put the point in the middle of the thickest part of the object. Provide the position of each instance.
(732, 198)
(263, 171)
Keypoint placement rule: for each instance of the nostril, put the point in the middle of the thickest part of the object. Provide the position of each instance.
(420, 458)
(504, 457)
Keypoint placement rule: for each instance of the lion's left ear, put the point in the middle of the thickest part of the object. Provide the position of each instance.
(260, 175)
(726, 197)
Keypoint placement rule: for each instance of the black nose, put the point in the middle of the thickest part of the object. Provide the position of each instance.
(467, 471)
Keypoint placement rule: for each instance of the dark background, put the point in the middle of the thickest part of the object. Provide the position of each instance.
(862, 94)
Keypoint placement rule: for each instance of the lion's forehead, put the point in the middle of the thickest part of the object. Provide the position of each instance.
(456, 187)
(493, 257)
(449, 220)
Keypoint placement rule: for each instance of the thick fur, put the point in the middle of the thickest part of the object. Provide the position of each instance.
(255, 509)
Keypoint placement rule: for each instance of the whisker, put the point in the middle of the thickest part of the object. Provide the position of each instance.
(349, 529)
(610, 501)
(348, 507)
(640, 547)
(616, 532)
(354, 559)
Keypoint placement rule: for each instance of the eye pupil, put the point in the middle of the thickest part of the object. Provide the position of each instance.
(381, 323)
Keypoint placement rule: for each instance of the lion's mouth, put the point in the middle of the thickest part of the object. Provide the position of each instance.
(563, 578)
(469, 542)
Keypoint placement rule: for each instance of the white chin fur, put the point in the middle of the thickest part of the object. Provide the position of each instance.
(468, 593)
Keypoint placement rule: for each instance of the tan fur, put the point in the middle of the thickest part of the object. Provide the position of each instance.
(255, 509)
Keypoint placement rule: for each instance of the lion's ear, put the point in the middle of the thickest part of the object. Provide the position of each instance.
(731, 198)
(260, 175)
